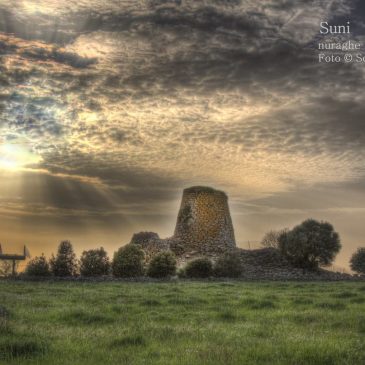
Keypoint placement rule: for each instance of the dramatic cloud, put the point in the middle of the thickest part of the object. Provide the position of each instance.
(121, 104)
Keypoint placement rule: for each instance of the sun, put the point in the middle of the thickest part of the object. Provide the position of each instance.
(16, 156)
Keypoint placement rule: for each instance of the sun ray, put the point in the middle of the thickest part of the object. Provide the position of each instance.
(14, 156)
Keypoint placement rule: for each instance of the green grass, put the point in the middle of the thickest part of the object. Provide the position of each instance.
(184, 323)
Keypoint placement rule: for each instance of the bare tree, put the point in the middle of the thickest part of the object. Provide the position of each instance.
(271, 238)
(6, 267)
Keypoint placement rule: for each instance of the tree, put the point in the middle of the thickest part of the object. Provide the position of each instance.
(65, 262)
(38, 266)
(94, 263)
(271, 238)
(228, 265)
(128, 261)
(199, 268)
(357, 261)
(6, 267)
(310, 244)
(162, 265)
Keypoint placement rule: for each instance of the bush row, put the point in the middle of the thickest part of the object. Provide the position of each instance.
(128, 261)
(308, 245)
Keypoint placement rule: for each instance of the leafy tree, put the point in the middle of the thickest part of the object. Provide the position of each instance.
(199, 268)
(94, 263)
(128, 261)
(310, 244)
(228, 265)
(271, 238)
(357, 261)
(65, 262)
(38, 266)
(162, 265)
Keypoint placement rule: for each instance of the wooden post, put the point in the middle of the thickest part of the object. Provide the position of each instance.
(14, 258)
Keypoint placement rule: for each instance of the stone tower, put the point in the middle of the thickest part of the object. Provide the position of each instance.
(204, 223)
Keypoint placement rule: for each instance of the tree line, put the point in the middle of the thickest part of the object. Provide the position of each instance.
(128, 262)
(309, 245)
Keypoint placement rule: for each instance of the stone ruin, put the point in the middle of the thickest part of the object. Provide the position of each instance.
(204, 223)
(203, 228)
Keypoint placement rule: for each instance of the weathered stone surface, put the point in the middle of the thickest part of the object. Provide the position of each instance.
(152, 248)
(204, 223)
(269, 264)
(204, 229)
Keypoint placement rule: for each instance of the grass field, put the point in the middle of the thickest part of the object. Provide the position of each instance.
(182, 323)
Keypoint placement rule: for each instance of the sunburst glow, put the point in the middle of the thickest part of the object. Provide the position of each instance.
(16, 156)
(108, 109)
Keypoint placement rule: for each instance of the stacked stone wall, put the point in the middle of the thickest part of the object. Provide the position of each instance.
(154, 247)
(204, 229)
(204, 223)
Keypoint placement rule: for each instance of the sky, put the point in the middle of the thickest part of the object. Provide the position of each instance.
(108, 109)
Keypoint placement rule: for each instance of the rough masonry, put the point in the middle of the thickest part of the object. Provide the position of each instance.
(203, 228)
(204, 223)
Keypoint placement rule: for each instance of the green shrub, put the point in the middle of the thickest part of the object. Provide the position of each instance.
(38, 266)
(65, 262)
(162, 265)
(229, 265)
(94, 263)
(128, 261)
(199, 268)
(310, 244)
(357, 262)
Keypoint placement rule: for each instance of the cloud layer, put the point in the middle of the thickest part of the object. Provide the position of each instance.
(127, 102)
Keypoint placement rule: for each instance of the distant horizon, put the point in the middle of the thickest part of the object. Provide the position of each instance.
(249, 244)
(109, 109)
